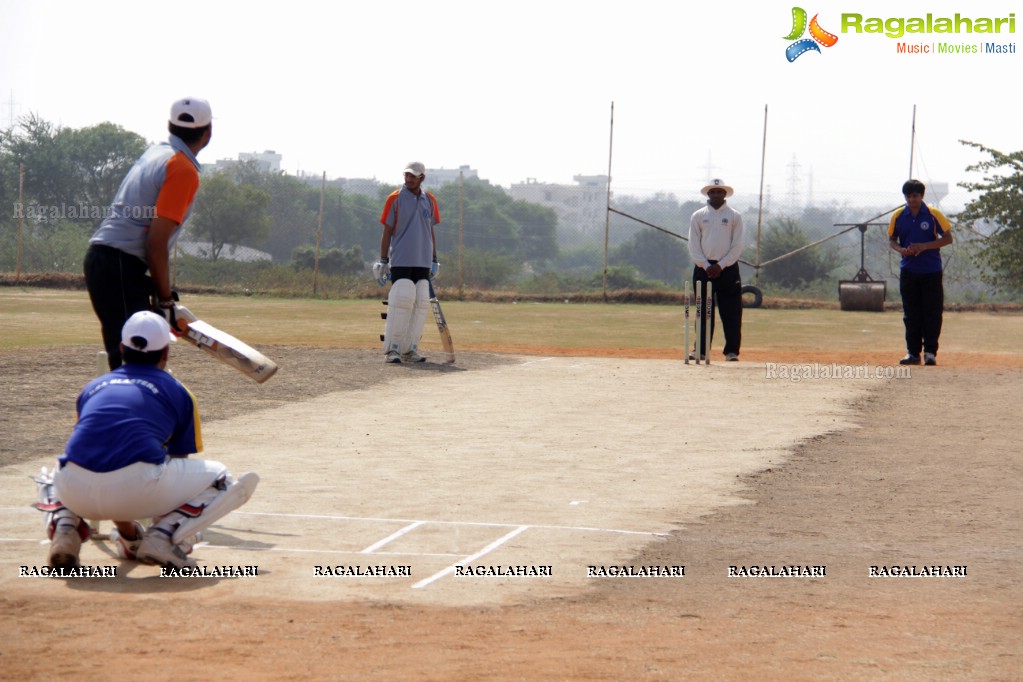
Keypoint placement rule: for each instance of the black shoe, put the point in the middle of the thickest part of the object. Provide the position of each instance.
(910, 360)
(930, 359)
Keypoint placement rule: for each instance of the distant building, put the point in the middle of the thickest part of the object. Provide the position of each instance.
(582, 206)
(268, 162)
(436, 177)
(244, 254)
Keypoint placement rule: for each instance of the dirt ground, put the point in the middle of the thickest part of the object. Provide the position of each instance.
(931, 475)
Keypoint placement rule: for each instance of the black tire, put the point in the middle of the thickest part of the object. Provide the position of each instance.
(756, 301)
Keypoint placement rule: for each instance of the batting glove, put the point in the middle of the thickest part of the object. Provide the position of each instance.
(434, 269)
(168, 308)
(381, 271)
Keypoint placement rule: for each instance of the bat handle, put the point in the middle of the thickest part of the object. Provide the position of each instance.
(184, 317)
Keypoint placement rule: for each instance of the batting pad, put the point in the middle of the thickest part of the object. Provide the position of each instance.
(401, 301)
(237, 494)
(419, 310)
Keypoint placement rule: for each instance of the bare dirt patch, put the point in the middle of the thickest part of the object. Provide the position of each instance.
(933, 476)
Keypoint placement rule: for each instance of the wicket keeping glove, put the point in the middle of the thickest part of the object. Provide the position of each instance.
(381, 271)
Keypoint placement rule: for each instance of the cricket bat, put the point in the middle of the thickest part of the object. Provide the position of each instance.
(442, 326)
(224, 347)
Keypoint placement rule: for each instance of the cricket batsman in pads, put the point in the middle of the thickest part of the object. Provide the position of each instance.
(408, 257)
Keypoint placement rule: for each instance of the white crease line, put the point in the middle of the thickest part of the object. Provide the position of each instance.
(297, 550)
(328, 517)
(393, 536)
(535, 362)
(486, 550)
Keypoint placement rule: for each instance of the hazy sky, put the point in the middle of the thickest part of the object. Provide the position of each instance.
(524, 90)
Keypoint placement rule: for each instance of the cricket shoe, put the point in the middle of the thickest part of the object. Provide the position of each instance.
(125, 548)
(412, 356)
(930, 359)
(910, 359)
(392, 358)
(692, 356)
(732, 357)
(157, 548)
(64, 547)
(189, 543)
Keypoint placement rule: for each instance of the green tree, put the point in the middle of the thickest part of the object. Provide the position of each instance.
(351, 220)
(655, 255)
(785, 235)
(494, 222)
(292, 208)
(999, 212)
(227, 213)
(332, 261)
(100, 157)
(73, 172)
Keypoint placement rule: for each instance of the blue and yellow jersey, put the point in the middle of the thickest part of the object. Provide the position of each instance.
(136, 413)
(926, 226)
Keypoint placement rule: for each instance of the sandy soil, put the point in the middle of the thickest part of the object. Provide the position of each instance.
(924, 471)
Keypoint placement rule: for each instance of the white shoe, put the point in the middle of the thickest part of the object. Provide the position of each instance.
(732, 357)
(124, 548)
(64, 547)
(412, 356)
(189, 543)
(392, 357)
(156, 548)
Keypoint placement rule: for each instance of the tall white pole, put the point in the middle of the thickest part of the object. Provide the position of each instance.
(760, 210)
(607, 212)
(912, 142)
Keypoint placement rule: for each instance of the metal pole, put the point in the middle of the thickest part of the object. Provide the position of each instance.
(319, 230)
(607, 213)
(760, 209)
(21, 213)
(912, 142)
(461, 215)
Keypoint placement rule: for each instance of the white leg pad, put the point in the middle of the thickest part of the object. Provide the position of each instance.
(237, 494)
(401, 300)
(415, 328)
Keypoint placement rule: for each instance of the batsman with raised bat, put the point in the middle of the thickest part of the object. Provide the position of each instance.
(127, 265)
(408, 257)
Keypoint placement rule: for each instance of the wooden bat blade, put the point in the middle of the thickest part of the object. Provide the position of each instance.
(442, 326)
(230, 351)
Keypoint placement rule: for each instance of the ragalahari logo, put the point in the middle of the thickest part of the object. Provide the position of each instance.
(817, 35)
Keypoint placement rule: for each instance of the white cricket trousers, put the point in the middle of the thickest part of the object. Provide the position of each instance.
(137, 491)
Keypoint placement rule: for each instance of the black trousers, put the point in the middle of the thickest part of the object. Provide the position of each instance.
(727, 296)
(923, 303)
(118, 288)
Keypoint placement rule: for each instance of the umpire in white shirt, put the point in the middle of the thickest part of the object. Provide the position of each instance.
(715, 245)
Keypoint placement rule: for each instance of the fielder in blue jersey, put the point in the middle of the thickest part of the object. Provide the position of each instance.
(918, 232)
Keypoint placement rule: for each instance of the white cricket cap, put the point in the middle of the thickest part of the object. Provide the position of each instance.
(191, 112)
(147, 332)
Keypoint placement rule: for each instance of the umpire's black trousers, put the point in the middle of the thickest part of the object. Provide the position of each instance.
(118, 288)
(727, 297)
